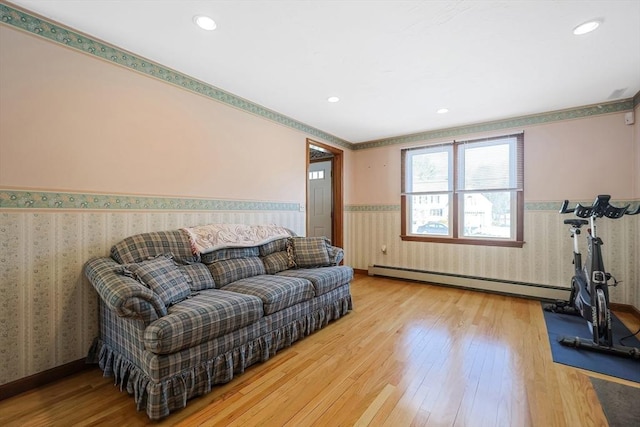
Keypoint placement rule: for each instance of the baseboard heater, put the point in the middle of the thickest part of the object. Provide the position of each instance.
(523, 289)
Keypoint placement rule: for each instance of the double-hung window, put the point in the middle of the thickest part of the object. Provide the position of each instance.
(468, 192)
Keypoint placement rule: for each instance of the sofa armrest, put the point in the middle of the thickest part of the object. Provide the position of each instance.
(121, 294)
(336, 254)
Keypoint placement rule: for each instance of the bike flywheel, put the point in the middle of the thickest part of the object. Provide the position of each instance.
(601, 302)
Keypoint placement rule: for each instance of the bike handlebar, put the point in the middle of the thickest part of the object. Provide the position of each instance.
(600, 207)
(563, 208)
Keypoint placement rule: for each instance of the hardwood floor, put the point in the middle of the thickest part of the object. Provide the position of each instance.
(409, 354)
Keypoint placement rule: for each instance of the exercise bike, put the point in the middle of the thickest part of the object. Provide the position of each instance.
(589, 297)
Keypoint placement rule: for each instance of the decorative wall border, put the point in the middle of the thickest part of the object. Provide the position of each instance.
(57, 33)
(66, 36)
(555, 206)
(547, 206)
(528, 206)
(372, 208)
(19, 199)
(516, 122)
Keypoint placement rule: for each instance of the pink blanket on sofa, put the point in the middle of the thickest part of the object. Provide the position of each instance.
(208, 238)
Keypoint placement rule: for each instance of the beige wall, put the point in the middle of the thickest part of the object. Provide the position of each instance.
(556, 168)
(572, 159)
(73, 123)
(578, 159)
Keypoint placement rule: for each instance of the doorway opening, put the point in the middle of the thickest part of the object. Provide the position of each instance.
(324, 191)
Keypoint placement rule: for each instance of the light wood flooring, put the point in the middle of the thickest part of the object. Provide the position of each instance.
(408, 354)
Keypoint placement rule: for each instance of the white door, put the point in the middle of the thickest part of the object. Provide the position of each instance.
(320, 199)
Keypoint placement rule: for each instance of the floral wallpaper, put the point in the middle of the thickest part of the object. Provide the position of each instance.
(48, 309)
(545, 259)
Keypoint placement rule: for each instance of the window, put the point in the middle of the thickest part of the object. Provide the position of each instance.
(468, 192)
(316, 175)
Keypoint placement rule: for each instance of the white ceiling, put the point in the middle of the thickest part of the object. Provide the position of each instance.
(392, 63)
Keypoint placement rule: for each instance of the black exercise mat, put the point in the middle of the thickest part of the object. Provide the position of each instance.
(619, 402)
(559, 325)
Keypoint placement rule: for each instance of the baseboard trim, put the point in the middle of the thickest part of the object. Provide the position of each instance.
(360, 271)
(504, 287)
(42, 378)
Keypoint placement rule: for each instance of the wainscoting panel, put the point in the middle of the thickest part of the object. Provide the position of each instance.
(545, 259)
(48, 310)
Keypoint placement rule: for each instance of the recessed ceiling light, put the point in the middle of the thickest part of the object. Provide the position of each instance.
(442, 111)
(333, 99)
(587, 27)
(205, 22)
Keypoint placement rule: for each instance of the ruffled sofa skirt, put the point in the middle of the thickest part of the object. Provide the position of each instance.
(162, 383)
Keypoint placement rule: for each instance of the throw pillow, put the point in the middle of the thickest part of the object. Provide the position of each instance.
(198, 276)
(162, 276)
(276, 262)
(311, 252)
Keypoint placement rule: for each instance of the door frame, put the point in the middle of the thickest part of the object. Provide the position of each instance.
(337, 207)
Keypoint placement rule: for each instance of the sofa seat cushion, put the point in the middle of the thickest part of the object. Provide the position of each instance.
(276, 292)
(209, 314)
(324, 279)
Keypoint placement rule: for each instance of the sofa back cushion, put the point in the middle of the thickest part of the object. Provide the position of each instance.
(162, 276)
(274, 246)
(277, 256)
(143, 246)
(230, 270)
(229, 253)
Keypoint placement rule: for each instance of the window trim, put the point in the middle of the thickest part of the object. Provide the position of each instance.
(455, 194)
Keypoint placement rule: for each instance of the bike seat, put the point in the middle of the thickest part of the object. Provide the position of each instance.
(577, 223)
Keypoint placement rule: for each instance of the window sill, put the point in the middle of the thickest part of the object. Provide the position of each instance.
(477, 242)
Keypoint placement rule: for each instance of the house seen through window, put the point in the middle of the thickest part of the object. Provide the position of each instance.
(467, 192)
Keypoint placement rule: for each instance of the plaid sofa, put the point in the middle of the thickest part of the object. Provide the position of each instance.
(174, 323)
